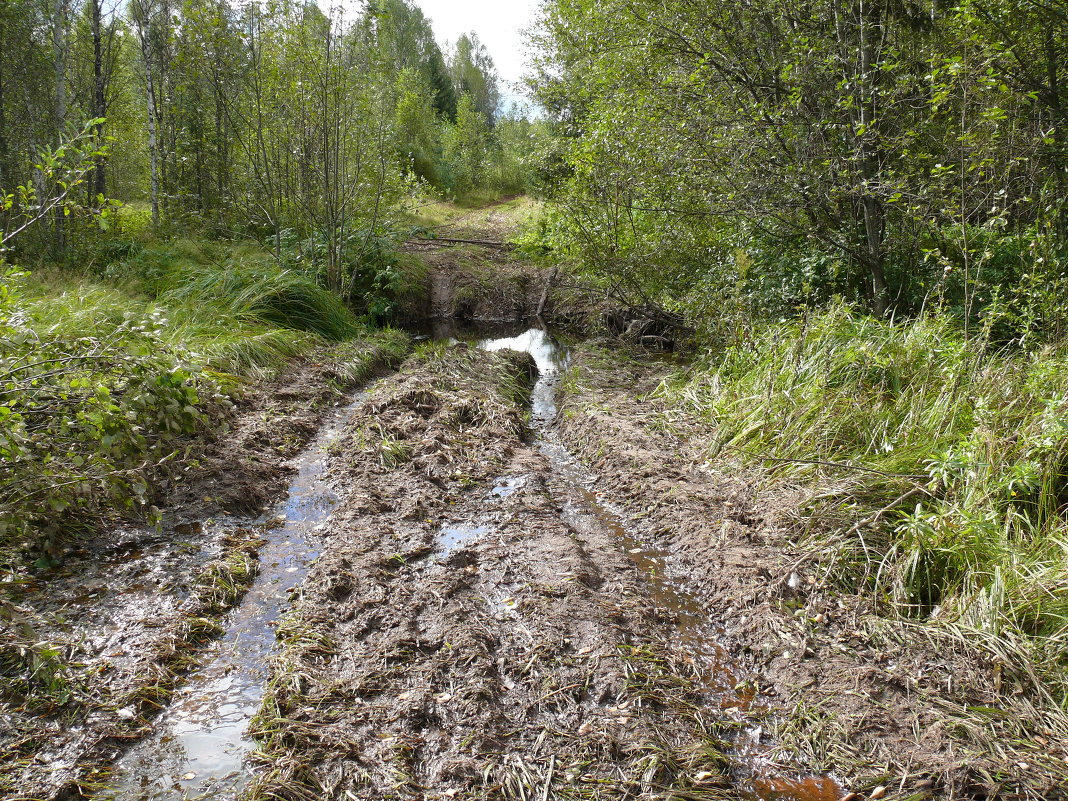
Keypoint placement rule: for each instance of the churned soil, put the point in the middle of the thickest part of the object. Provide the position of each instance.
(472, 629)
(117, 624)
(891, 709)
(471, 283)
(245, 467)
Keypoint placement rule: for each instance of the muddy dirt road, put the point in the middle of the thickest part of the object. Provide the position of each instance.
(492, 571)
(480, 625)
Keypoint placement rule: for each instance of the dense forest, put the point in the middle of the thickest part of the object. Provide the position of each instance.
(269, 121)
(809, 258)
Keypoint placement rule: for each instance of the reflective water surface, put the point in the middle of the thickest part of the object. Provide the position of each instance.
(199, 745)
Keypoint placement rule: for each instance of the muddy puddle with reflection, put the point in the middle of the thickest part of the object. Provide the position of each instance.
(698, 638)
(199, 746)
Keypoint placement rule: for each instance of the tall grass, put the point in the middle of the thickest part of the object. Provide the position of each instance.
(230, 304)
(939, 466)
(260, 294)
(106, 379)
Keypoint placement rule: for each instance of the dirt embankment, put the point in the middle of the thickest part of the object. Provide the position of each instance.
(874, 701)
(471, 629)
(465, 268)
(115, 627)
(472, 283)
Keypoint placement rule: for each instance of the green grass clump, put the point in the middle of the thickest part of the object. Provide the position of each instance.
(260, 294)
(941, 463)
(230, 304)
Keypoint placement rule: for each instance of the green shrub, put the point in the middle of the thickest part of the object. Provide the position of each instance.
(86, 420)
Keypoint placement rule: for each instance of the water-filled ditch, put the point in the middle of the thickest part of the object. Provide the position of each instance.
(199, 745)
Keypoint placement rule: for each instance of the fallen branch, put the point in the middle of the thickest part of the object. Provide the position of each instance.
(454, 241)
(545, 294)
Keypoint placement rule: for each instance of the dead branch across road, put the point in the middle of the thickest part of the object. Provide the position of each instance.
(452, 241)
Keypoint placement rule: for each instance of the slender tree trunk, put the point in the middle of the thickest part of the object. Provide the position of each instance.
(153, 148)
(59, 55)
(873, 213)
(1053, 66)
(4, 147)
(144, 23)
(97, 183)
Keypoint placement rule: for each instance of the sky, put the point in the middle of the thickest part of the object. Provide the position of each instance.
(499, 25)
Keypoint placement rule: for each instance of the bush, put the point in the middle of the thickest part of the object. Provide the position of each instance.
(85, 421)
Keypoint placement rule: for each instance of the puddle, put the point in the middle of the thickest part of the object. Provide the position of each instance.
(451, 538)
(199, 744)
(507, 487)
(551, 360)
(697, 638)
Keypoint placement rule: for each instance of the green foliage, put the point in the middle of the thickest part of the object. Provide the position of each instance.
(875, 150)
(474, 75)
(85, 420)
(260, 293)
(406, 40)
(954, 454)
(417, 127)
(367, 261)
(465, 147)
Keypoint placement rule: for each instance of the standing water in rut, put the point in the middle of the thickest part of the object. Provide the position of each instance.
(696, 636)
(200, 744)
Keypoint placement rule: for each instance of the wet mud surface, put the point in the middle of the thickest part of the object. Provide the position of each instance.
(496, 573)
(893, 712)
(479, 625)
(198, 747)
(127, 614)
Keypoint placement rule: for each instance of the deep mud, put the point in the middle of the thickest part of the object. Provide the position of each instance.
(877, 702)
(126, 613)
(479, 626)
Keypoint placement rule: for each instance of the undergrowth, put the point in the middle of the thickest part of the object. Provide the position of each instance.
(108, 378)
(938, 468)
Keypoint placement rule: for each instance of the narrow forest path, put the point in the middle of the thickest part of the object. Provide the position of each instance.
(480, 624)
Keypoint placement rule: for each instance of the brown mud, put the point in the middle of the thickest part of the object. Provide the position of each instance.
(123, 617)
(468, 283)
(472, 284)
(480, 626)
(893, 711)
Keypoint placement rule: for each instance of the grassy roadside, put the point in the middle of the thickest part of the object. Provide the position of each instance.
(936, 471)
(872, 692)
